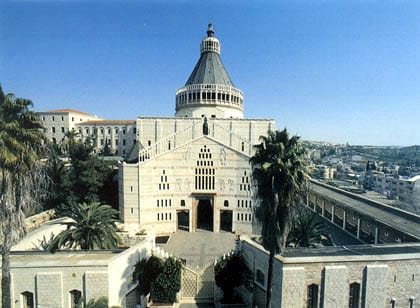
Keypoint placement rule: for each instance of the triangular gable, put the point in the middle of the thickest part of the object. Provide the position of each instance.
(185, 145)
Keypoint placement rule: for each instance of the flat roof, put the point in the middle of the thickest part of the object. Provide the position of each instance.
(72, 258)
(354, 250)
(403, 221)
(345, 253)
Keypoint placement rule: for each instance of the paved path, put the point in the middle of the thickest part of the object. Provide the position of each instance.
(199, 248)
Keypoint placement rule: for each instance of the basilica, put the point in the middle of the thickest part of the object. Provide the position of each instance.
(192, 171)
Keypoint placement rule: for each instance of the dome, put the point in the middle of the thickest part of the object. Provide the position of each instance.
(209, 91)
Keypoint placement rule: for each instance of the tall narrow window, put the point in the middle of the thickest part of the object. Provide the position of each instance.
(354, 295)
(75, 298)
(27, 299)
(312, 296)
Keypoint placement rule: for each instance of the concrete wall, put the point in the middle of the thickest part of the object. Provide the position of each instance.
(121, 269)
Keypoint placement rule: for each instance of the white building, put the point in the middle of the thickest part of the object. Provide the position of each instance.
(120, 135)
(192, 171)
(59, 122)
(395, 187)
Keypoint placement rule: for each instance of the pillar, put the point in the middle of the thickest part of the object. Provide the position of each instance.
(358, 228)
(344, 219)
(376, 234)
(332, 213)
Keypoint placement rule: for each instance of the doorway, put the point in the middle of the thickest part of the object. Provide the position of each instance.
(205, 215)
(226, 221)
(183, 220)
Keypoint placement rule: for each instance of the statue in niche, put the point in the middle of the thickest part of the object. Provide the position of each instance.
(222, 184)
(187, 155)
(205, 127)
(179, 184)
(222, 157)
(231, 184)
(187, 184)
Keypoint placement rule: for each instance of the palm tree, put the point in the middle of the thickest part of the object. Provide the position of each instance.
(93, 227)
(21, 141)
(69, 140)
(306, 231)
(280, 173)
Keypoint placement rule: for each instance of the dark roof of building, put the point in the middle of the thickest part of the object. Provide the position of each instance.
(209, 70)
(354, 250)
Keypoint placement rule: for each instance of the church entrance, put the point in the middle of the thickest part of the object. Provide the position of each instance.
(183, 220)
(205, 214)
(226, 221)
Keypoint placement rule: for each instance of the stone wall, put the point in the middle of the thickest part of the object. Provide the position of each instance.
(381, 277)
(35, 221)
(51, 285)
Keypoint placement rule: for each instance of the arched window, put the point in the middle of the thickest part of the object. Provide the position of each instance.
(226, 203)
(354, 295)
(27, 299)
(312, 296)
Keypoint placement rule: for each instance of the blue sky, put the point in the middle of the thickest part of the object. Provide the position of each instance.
(340, 71)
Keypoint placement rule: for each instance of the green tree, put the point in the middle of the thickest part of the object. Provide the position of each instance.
(306, 231)
(230, 273)
(146, 271)
(58, 183)
(101, 302)
(69, 140)
(167, 283)
(280, 172)
(21, 140)
(93, 227)
(87, 173)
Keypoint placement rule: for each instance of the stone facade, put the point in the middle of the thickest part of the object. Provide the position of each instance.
(383, 277)
(167, 178)
(59, 122)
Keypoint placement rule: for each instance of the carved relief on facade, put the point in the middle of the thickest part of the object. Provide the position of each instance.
(222, 184)
(187, 155)
(178, 184)
(231, 184)
(187, 184)
(222, 157)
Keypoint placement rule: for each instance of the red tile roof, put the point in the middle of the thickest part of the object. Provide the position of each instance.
(105, 122)
(69, 111)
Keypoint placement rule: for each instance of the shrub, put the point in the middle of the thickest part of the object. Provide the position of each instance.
(230, 273)
(101, 302)
(146, 271)
(167, 283)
